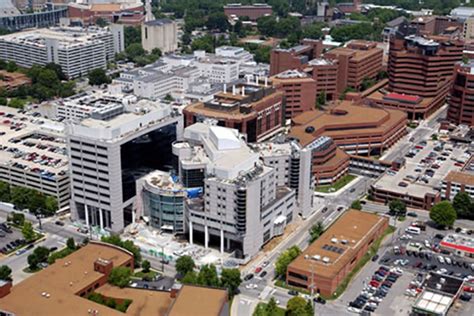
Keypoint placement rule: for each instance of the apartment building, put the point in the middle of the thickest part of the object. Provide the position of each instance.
(356, 129)
(299, 90)
(461, 97)
(253, 11)
(357, 61)
(77, 50)
(241, 207)
(161, 33)
(108, 156)
(253, 108)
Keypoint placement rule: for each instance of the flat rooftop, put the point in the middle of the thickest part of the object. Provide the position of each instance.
(466, 178)
(32, 143)
(459, 242)
(210, 301)
(344, 119)
(336, 247)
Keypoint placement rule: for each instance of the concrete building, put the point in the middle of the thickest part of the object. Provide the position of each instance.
(357, 61)
(328, 260)
(254, 11)
(66, 284)
(468, 29)
(356, 129)
(76, 50)
(299, 90)
(253, 108)
(242, 206)
(238, 54)
(49, 17)
(112, 11)
(33, 155)
(461, 97)
(161, 199)
(162, 34)
(216, 69)
(108, 156)
(458, 181)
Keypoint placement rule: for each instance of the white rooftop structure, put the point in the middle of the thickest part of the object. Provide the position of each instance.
(462, 12)
(434, 303)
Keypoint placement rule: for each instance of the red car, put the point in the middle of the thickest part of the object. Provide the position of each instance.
(468, 289)
(374, 283)
(258, 269)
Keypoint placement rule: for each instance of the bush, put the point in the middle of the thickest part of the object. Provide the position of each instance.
(120, 276)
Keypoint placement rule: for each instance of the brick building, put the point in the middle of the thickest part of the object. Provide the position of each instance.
(357, 61)
(358, 130)
(254, 109)
(295, 57)
(461, 97)
(123, 13)
(327, 261)
(254, 11)
(325, 73)
(299, 90)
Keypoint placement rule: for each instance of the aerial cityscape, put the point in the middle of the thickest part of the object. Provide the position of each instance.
(223, 158)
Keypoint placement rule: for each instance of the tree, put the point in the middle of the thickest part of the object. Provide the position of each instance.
(132, 34)
(230, 279)
(41, 253)
(28, 232)
(184, 264)
(217, 21)
(134, 50)
(101, 22)
(71, 244)
(463, 205)
(98, 76)
(190, 278)
(296, 306)
(11, 66)
(443, 214)
(50, 205)
(356, 205)
(3, 101)
(120, 276)
(397, 208)
(18, 218)
(4, 191)
(32, 262)
(5, 273)
(207, 276)
(16, 103)
(309, 308)
(316, 231)
(146, 266)
(272, 306)
(321, 100)
(57, 69)
(205, 43)
(285, 259)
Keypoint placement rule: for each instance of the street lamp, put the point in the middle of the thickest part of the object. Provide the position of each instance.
(38, 217)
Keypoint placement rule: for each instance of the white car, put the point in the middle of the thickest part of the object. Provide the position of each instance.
(440, 259)
(448, 260)
(354, 310)
(427, 244)
(442, 271)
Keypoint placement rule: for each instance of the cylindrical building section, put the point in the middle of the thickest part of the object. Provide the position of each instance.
(461, 100)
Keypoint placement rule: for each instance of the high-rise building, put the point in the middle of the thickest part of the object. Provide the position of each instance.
(422, 66)
(299, 90)
(250, 193)
(295, 57)
(162, 34)
(77, 50)
(461, 98)
(357, 61)
(108, 156)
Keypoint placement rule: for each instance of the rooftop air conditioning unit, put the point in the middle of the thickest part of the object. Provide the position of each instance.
(326, 260)
(316, 257)
(334, 240)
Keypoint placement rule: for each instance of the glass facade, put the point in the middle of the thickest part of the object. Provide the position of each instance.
(166, 210)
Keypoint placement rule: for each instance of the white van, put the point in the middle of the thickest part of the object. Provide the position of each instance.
(413, 230)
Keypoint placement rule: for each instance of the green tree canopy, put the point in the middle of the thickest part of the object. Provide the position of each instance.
(356, 205)
(463, 205)
(296, 306)
(146, 266)
(315, 231)
(5, 273)
(120, 276)
(443, 214)
(184, 264)
(27, 231)
(217, 21)
(71, 244)
(397, 208)
(98, 77)
(230, 279)
(207, 276)
(285, 259)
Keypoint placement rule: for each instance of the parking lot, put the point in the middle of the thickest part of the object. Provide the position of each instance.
(7, 236)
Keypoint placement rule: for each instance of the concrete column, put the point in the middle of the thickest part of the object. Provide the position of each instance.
(191, 232)
(101, 219)
(134, 216)
(87, 215)
(206, 237)
(222, 241)
(228, 243)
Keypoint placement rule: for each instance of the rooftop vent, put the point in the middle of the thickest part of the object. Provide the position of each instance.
(326, 260)
(309, 129)
(344, 241)
(316, 257)
(334, 240)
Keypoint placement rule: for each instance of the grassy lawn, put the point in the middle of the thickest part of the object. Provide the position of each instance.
(279, 312)
(149, 275)
(372, 251)
(336, 186)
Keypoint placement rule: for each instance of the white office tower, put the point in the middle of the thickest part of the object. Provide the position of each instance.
(292, 165)
(107, 156)
(242, 206)
(77, 50)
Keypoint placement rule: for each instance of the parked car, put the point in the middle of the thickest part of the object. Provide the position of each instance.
(248, 277)
(292, 293)
(412, 214)
(465, 297)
